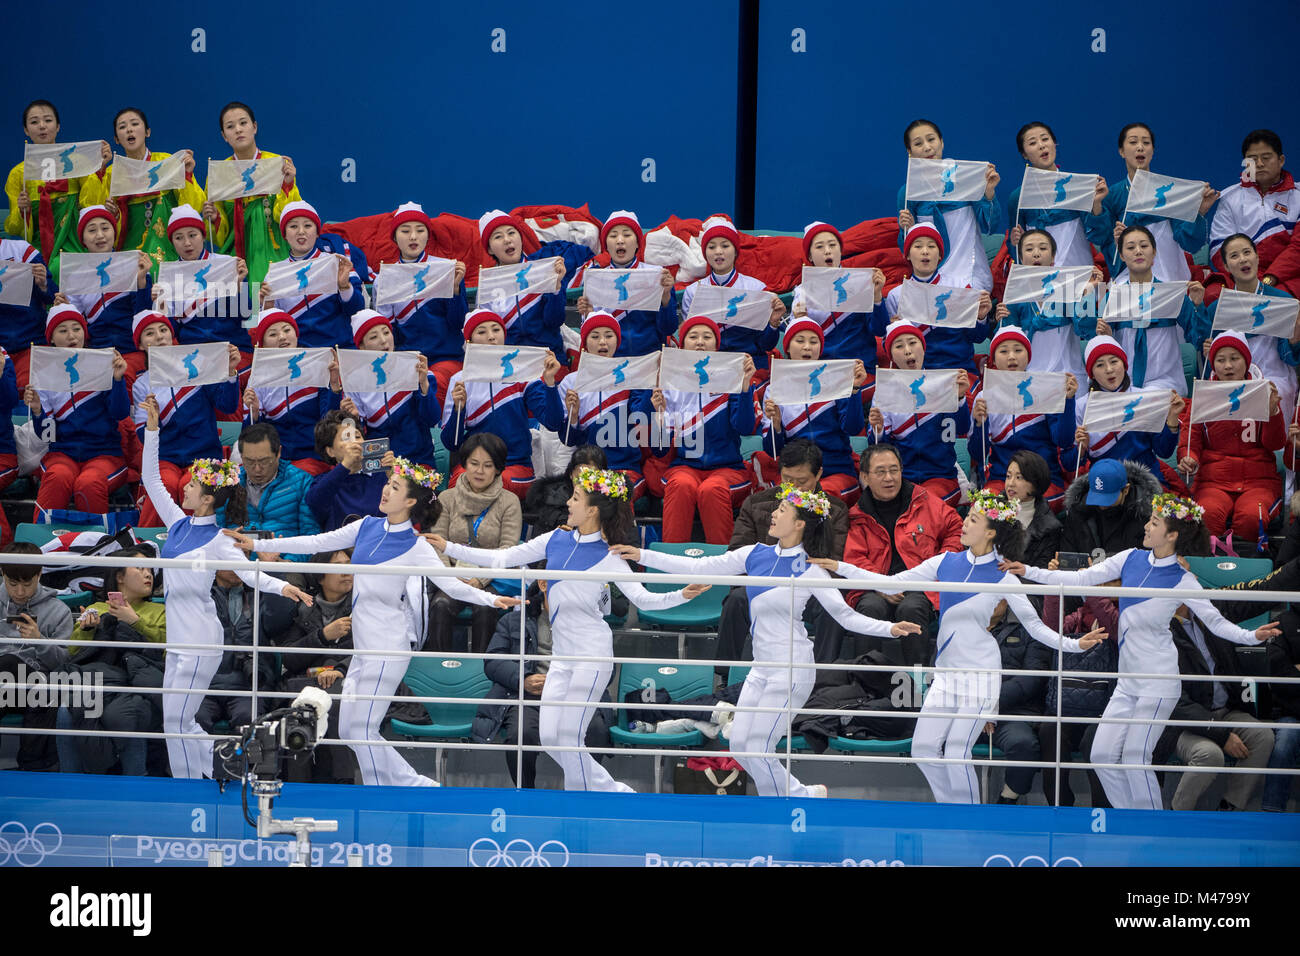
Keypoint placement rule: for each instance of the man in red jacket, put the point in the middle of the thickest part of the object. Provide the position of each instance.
(894, 526)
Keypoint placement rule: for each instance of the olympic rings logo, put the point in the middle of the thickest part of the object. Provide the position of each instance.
(1030, 861)
(487, 852)
(30, 848)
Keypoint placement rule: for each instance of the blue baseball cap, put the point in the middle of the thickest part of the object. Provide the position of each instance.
(1106, 480)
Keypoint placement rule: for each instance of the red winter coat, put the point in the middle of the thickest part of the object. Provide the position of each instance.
(1232, 454)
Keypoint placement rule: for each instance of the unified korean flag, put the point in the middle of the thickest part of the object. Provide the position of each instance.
(15, 282)
(1053, 189)
(1255, 314)
(135, 177)
(499, 286)
(199, 279)
(839, 290)
(367, 371)
(176, 366)
(71, 370)
(1039, 284)
(688, 370)
(61, 160)
(744, 308)
(623, 290)
(945, 180)
(241, 178)
(291, 368)
(1138, 303)
(1024, 393)
(1164, 196)
(796, 382)
(939, 305)
(918, 391)
(288, 278)
(1230, 401)
(502, 364)
(400, 282)
(98, 273)
(599, 373)
(1137, 410)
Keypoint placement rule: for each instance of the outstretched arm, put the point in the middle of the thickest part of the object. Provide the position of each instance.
(456, 587)
(167, 509)
(851, 620)
(513, 557)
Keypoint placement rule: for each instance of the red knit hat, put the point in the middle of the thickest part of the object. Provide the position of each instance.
(810, 233)
(364, 321)
(1103, 345)
(719, 227)
(477, 318)
(295, 209)
(623, 217)
(902, 327)
(804, 324)
(94, 212)
(703, 320)
(1010, 333)
(922, 229)
(147, 317)
(598, 320)
(184, 217)
(267, 318)
(63, 313)
(1230, 340)
(409, 212)
(491, 221)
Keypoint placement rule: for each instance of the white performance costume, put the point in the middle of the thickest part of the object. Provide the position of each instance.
(379, 623)
(578, 627)
(192, 616)
(1146, 646)
(778, 634)
(964, 641)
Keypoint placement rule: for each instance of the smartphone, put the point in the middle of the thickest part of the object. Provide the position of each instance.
(15, 620)
(260, 534)
(1073, 560)
(372, 454)
(116, 598)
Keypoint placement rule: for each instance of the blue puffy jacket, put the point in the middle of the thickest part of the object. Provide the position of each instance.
(282, 507)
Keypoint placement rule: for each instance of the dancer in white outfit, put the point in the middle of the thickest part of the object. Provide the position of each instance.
(990, 532)
(599, 512)
(800, 528)
(379, 603)
(1146, 645)
(190, 611)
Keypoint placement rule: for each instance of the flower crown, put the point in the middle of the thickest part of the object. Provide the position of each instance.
(214, 472)
(992, 506)
(1169, 505)
(814, 501)
(417, 474)
(611, 484)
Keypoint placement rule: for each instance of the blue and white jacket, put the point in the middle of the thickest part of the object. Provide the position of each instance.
(962, 225)
(756, 342)
(504, 411)
(85, 423)
(431, 327)
(188, 418)
(640, 331)
(21, 326)
(325, 321)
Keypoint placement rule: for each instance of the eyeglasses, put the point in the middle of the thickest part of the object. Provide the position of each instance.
(886, 472)
(260, 462)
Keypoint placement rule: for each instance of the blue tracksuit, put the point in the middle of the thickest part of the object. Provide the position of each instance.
(828, 425)
(431, 327)
(325, 321)
(294, 413)
(85, 423)
(339, 493)
(406, 419)
(188, 420)
(21, 326)
(640, 331)
(536, 319)
(708, 423)
(504, 411)
(1004, 435)
(927, 451)
(214, 320)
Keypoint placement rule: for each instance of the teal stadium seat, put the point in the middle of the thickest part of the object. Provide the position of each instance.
(681, 681)
(445, 677)
(1224, 572)
(701, 613)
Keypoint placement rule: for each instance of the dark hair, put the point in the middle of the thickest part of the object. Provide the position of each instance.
(1265, 136)
(490, 443)
(1142, 229)
(234, 498)
(871, 451)
(1033, 468)
(801, 451)
(113, 576)
(130, 109)
(324, 557)
(591, 455)
(1223, 247)
(1123, 134)
(427, 508)
(234, 105)
(327, 429)
(259, 432)
(1008, 539)
(615, 516)
(1051, 242)
(1024, 131)
(35, 103)
(907, 133)
(1193, 536)
(20, 572)
(816, 533)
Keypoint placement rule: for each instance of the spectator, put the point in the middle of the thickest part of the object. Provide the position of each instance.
(1264, 205)
(894, 527)
(1028, 481)
(277, 491)
(346, 489)
(1019, 695)
(477, 511)
(1106, 509)
(546, 505)
(1284, 661)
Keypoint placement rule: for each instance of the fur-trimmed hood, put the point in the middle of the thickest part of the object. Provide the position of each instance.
(1145, 487)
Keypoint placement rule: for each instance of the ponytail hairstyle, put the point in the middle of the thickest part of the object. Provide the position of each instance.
(813, 508)
(220, 479)
(1185, 517)
(234, 498)
(1008, 536)
(420, 485)
(607, 492)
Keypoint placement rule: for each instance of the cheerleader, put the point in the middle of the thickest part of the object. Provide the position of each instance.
(991, 534)
(846, 335)
(322, 319)
(379, 609)
(215, 316)
(407, 418)
(23, 324)
(960, 225)
(801, 531)
(215, 484)
(599, 515)
(1146, 645)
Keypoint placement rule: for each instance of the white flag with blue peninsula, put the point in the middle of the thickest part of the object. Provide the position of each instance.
(502, 364)
(1039, 284)
(1053, 189)
(1138, 303)
(98, 273)
(137, 177)
(16, 281)
(1247, 312)
(291, 368)
(500, 286)
(745, 308)
(242, 178)
(1166, 196)
(289, 277)
(600, 373)
(945, 306)
(800, 382)
(400, 282)
(945, 180)
(71, 370)
(689, 370)
(176, 366)
(1137, 410)
(623, 290)
(1024, 393)
(839, 290)
(1230, 401)
(198, 279)
(919, 391)
(367, 371)
(50, 161)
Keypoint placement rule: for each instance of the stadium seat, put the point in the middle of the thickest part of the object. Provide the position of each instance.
(681, 681)
(77, 600)
(889, 748)
(229, 432)
(155, 536)
(700, 614)
(41, 534)
(445, 677)
(1224, 572)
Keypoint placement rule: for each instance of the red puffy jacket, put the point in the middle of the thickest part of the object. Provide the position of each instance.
(925, 528)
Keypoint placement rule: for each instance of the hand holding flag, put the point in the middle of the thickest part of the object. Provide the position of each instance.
(623, 290)
(291, 368)
(138, 177)
(745, 308)
(945, 180)
(917, 391)
(401, 282)
(799, 382)
(291, 278)
(939, 305)
(242, 178)
(1256, 314)
(1137, 410)
(178, 366)
(16, 282)
(51, 161)
(1154, 195)
(688, 370)
(499, 286)
(503, 364)
(599, 373)
(1053, 189)
(71, 370)
(1024, 393)
(365, 371)
(98, 273)
(839, 290)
